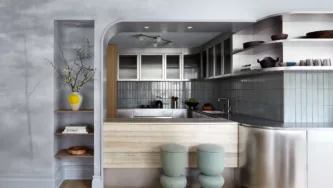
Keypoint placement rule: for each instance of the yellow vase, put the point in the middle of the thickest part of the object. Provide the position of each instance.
(75, 100)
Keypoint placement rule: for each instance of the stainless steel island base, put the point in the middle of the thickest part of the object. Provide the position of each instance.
(272, 158)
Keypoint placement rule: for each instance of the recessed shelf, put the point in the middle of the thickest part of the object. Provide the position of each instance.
(72, 111)
(63, 154)
(274, 44)
(59, 133)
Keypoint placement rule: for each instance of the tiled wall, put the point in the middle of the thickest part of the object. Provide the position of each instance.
(134, 94)
(259, 95)
(308, 96)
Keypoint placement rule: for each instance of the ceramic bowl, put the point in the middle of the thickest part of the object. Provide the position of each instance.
(279, 36)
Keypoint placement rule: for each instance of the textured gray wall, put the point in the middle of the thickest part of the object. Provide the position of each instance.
(27, 82)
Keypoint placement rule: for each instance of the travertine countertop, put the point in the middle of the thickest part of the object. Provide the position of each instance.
(171, 120)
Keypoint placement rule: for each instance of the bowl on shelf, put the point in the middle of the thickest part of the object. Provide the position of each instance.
(320, 34)
(77, 150)
(279, 36)
(252, 43)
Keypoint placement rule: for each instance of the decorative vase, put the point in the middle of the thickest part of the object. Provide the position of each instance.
(75, 100)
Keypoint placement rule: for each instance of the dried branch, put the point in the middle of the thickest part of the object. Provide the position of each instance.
(71, 76)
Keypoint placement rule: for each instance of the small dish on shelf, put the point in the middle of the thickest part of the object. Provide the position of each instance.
(77, 150)
(279, 36)
(325, 34)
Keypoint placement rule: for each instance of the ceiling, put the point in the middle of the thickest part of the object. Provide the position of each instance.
(179, 33)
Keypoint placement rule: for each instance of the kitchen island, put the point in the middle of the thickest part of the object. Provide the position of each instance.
(131, 145)
(135, 142)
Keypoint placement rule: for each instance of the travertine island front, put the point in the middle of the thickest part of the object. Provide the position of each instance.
(135, 142)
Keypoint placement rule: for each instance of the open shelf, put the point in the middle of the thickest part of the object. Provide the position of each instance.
(71, 111)
(63, 154)
(275, 69)
(59, 133)
(274, 44)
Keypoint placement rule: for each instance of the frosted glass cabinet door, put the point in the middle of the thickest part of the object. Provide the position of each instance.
(211, 62)
(128, 67)
(152, 67)
(218, 59)
(192, 66)
(172, 67)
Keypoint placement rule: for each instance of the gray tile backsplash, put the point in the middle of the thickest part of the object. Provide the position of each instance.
(134, 94)
(281, 96)
(308, 96)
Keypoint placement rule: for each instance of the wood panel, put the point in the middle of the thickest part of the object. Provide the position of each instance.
(130, 145)
(76, 184)
(64, 154)
(111, 80)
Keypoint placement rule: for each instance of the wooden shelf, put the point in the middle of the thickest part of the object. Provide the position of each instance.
(71, 111)
(63, 154)
(59, 133)
(274, 44)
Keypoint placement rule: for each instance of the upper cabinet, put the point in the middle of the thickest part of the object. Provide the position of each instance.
(211, 61)
(227, 46)
(128, 67)
(192, 66)
(151, 67)
(204, 63)
(173, 65)
(218, 59)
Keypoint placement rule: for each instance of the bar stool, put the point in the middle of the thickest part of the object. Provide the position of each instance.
(174, 159)
(210, 161)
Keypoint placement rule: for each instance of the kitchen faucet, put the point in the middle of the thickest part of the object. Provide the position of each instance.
(228, 103)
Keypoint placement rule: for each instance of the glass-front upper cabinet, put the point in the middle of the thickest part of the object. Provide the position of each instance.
(227, 56)
(152, 67)
(172, 67)
(204, 63)
(128, 67)
(211, 62)
(192, 66)
(218, 59)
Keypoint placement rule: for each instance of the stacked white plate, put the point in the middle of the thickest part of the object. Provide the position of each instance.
(76, 129)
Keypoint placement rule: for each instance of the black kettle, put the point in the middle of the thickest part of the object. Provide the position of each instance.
(158, 104)
(268, 62)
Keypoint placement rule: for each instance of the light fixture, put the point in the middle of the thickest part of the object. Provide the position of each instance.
(158, 39)
(189, 27)
(146, 27)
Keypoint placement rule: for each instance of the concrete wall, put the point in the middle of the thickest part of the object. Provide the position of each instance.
(27, 81)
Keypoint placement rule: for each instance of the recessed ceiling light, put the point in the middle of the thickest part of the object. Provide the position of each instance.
(189, 27)
(146, 27)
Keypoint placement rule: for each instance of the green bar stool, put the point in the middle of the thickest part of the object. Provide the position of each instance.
(174, 159)
(210, 161)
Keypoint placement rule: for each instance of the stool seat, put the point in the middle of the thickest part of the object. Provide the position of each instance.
(211, 181)
(172, 182)
(174, 159)
(210, 159)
